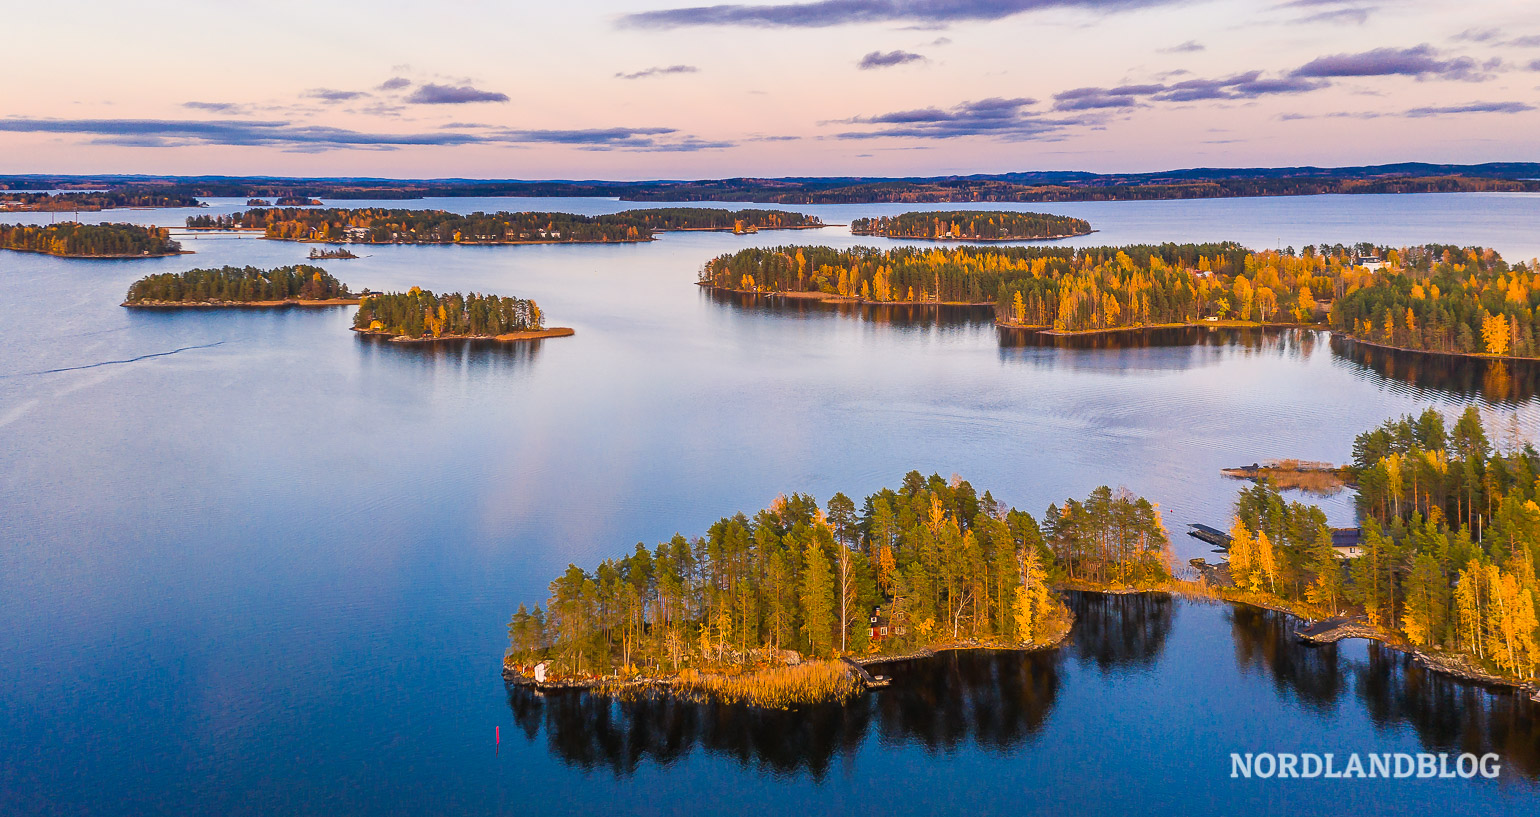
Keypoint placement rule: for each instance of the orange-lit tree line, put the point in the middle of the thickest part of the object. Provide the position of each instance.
(1072, 289)
(1428, 298)
(1460, 300)
(938, 563)
(71, 239)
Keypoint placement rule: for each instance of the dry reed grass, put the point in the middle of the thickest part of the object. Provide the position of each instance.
(810, 682)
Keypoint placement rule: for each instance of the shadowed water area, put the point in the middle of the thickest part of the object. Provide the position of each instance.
(1142, 666)
(252, 563)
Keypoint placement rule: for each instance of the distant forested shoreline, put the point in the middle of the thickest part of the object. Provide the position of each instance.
(372, 225)
(1027, 186)
(70, 201)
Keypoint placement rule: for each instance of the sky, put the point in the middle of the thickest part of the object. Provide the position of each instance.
(649, 89)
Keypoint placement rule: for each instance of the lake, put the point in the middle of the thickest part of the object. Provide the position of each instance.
(253, 563)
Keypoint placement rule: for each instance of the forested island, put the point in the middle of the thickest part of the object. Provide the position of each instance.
(340, 253)
(1026, 186)
(299, 285)
(392, 226)
(974, 225)
(764, 609)
(664, 219)
(421, 315)
(74, 240)
(1053, 288)
(1434, 298)
(96, 200)
(258, 203)
(776, 609)
(1445, 565)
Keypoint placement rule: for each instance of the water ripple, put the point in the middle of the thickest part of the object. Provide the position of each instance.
(115, 362)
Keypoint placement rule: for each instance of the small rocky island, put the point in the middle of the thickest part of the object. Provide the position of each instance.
(298, 285)
(419, 315)
(971, 225)
(1321, 478)
(340, 253)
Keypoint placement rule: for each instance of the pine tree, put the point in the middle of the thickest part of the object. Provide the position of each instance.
(817, 598)
(1326, 587)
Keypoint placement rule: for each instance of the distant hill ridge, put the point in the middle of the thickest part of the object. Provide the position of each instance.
(1019, 186)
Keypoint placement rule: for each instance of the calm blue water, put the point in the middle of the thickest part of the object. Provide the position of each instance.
(252, 563)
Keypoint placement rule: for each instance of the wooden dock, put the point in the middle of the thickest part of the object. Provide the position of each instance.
(871, 681)
(1213, 536)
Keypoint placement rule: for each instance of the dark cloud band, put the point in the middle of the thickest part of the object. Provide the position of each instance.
(658, 70)
(289, 136)
(432, 94)
(822, 13)
(1418, 61)
(1003, 118)
(888, 59)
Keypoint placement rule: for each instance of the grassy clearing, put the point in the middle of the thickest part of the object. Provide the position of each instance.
(810, 682)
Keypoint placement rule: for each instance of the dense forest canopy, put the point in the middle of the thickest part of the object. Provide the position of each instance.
(971, 225)
(374, 225)
(419, 313)
(937, 561)
(1029, 186)
(238, 285)
(1071, 289)
(710, 218)
(97, 200)
(391, 226)
(1446, 299)
(1450, 540)
(72, 239)
(1458, 299)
